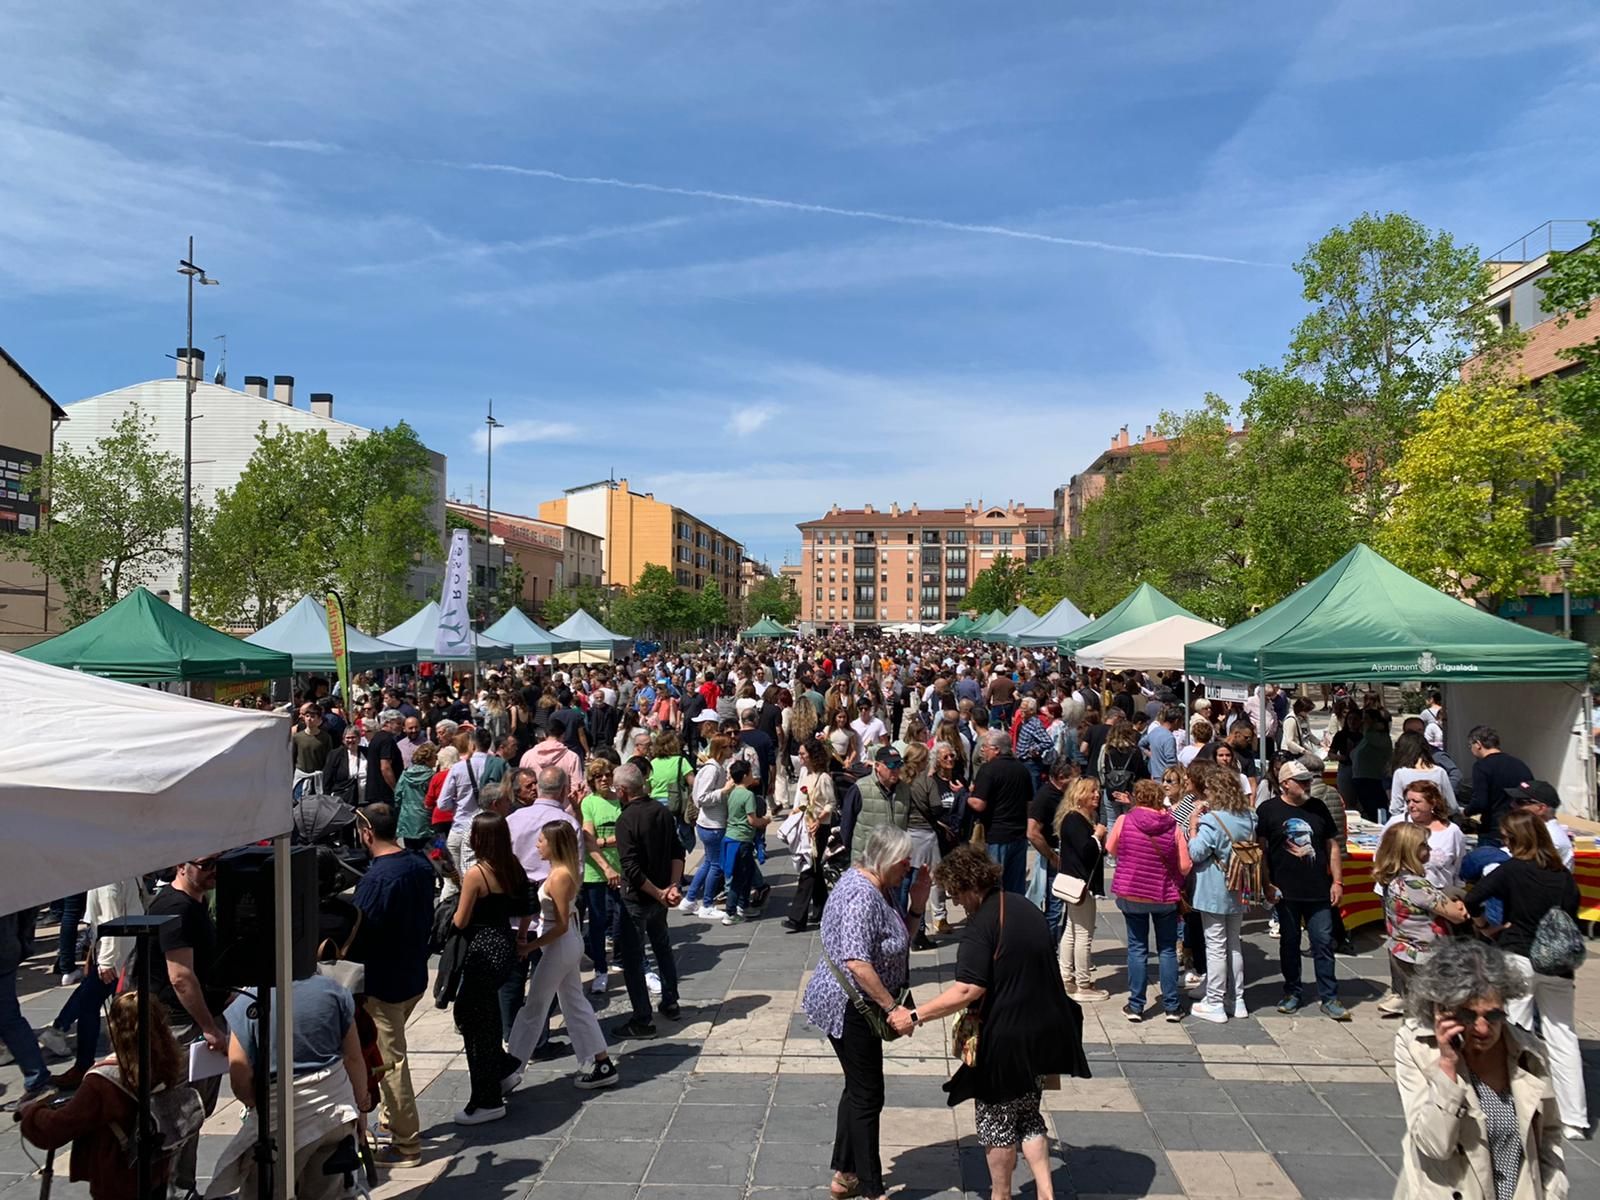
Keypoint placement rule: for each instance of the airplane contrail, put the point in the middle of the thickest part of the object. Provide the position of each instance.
(864, 214)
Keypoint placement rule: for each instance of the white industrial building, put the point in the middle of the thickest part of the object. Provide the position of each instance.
(226, 425)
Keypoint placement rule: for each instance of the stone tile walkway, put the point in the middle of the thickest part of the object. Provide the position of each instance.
(737, 1098)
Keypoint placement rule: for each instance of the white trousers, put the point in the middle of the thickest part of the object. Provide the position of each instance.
(1076, 950)
(458, 844)
(1555, 998)
(1224, 956)
(557, 976)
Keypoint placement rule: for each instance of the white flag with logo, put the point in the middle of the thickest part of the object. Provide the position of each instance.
(453, 637)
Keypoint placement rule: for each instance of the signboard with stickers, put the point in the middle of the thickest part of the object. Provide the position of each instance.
(19, 507)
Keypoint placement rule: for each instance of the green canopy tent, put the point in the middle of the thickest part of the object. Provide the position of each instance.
(143, 639)
(1061, 620)
(766, 627)
(526, 636)
(1366, 619)
(1142, 606)
(985, 623)
(302, 633)
(962, 624)
(1016, 621)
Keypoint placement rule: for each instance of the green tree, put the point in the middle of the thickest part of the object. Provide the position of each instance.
(656, 607)
(115, 516)
(387, 488)
(710, 610)
(772, 597)
(1463, 517)
(1570, 289)
(1395, 312)
(508, 591)
(998, 585)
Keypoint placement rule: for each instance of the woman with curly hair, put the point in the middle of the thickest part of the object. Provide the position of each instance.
(1223, 817)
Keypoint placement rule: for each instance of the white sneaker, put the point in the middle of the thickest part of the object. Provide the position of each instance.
(72, 978)
(1574, 1133)
(1193, 979)
(709, 913)
(1272, 928)
(598, 987)
(1240, 1012)
(481, 1116)
(733, 918)
(1214, 1013)
(511, 1082)
(53, 1041)
(653, 982)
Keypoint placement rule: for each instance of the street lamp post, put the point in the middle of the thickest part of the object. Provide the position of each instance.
(186, 267)
(488, 501)
(1564, 564)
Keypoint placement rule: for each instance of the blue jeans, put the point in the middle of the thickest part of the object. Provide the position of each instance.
(72, 910)
(17, 1035)
(1139, 918)
(603, 908)
(708, 877)
(739, 863)
(83, 1008)
(1055, 909)
(1013, 860)
(1317, 918)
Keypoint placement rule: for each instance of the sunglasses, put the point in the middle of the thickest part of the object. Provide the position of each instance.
(204, 864)
(1467, 1017)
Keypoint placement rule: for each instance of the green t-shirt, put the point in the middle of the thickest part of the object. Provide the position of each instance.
(601, 812)
(741, 803)
(664, 772)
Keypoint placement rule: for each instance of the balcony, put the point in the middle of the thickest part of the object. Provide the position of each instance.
(1552, 236)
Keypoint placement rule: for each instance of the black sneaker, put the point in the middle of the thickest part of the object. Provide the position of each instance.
(1133, 1014)
(632, 1028)
(923, 942)
(602, 1075)
(669, 1011)
(1174, 1016)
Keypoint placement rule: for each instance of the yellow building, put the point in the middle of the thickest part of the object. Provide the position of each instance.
(636, 530)
(30, 608)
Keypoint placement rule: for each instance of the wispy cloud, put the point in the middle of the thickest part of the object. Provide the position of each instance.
(461, 251)
(860, 214)
(511, 433)
(746, 420)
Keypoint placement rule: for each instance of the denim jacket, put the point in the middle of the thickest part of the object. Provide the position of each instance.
(1211, 848)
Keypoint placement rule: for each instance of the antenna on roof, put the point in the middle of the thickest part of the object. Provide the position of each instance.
(221, 377)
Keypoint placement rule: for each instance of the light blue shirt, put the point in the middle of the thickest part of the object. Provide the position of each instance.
(1211, 848)
(1163, 749)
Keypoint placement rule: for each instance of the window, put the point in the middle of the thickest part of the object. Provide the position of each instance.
(865, 574)
(864, 537)
(831, 554)
(1005, 537)
(930, 595)
(930, 612)
(956, 537)
(833, 576)
(832, 594)
(864, 612)
(910, 577)
(866, 593)
(819, 595)
(819, 555)
(885, 614)
(911, 539)
(956, 555)
(986, 537)
(865, 555)
(955, 574)
(955, 593)
(885, 557)
(930, 556)
(682, 576)
(830, 614)
(930, 537)
(1038, 537)
(910, 595)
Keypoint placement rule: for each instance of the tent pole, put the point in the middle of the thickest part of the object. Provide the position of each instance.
(1586, 745)
(282, 885)
(1261, 733)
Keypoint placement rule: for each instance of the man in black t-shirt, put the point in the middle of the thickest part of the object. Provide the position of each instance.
(1000, 795)
(384, 760)
(183, 977)
(1042, 835)
(1305, 863)
(1492, 774)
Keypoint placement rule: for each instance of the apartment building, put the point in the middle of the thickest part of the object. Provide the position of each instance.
(636, 530)
(28, 418)
(867, 567)
(1515, 300)
(551, 556)
(1072, 497)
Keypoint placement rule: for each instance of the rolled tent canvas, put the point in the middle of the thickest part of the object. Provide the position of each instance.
(143, 639)
(1139, 607)
(131, 780)
(1365, 618)
(526, 636)
(1062, 619)
(302, 633)
(1158, 646)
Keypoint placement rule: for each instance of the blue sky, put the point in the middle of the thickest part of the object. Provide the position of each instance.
(758, 257)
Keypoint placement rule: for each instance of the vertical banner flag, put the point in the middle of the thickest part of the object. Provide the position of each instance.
(340, 645)
(453, 637)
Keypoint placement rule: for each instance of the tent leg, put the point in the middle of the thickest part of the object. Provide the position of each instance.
(1587, 747)
(1261, 733)
(1188, 702)
(282, 885)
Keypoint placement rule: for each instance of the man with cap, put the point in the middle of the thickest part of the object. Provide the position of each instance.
(876, 799)
(1541, 799)
(1305, 862)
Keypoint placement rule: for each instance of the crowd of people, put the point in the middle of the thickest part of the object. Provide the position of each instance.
(547, 819)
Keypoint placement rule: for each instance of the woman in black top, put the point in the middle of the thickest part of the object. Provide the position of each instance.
(1530, 884)
(1082, 857)
(494, 892)
(1030, 1028)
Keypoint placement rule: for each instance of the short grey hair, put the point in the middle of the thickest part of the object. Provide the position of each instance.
(495, 794)
(446, 729)
(390, 714)
(998, 739)
(554, 783)
(629, 780)
(639, 736)
(888, 845)
(1458, 971)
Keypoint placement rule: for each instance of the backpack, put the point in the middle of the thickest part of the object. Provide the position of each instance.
(680, 788)
(1116, 779)
(176, 1114)
(748, 753)
(1557, 947)
(1245, 876)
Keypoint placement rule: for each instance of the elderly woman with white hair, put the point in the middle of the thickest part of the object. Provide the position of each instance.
(857, 992)
(1481, 1116)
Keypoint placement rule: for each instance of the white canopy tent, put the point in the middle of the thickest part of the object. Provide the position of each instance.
(135, 780)
(1154, 647)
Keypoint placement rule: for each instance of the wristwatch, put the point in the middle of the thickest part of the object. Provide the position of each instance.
(915, 1018)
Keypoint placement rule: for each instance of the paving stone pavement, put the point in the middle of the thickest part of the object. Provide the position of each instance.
(737, 1098)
